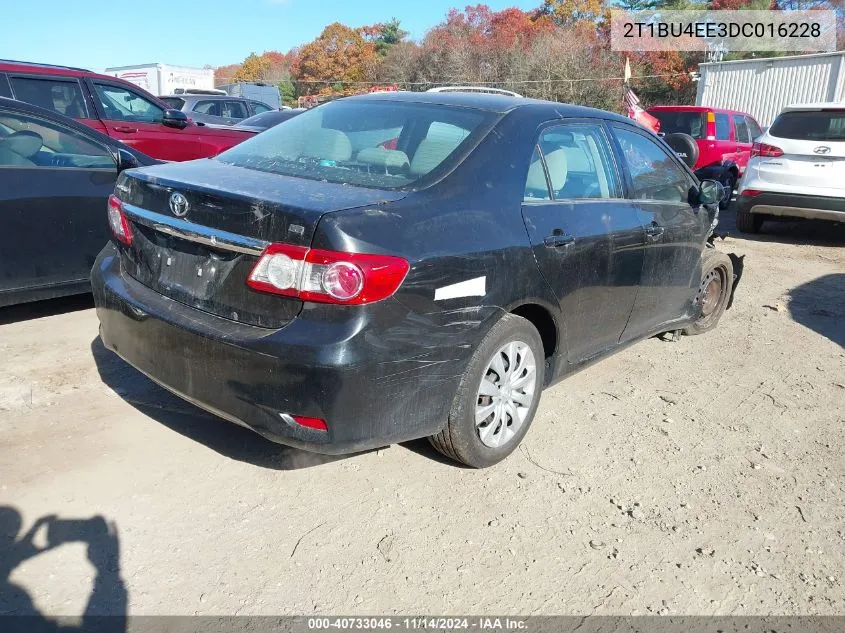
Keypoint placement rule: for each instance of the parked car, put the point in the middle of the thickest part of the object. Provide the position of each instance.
(716, 143)
(256, 91)
(117, 108)
(797, 168)
(55, 178)
(266, 120)
(334, 295)
(216, 109)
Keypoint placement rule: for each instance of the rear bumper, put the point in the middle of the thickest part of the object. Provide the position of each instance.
(794, 206)
(377, 374)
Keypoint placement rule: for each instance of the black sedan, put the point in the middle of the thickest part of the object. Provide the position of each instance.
(335, 295)
(266, 120)
(55, 178)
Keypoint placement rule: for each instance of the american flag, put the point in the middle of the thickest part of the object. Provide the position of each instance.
(632, 103)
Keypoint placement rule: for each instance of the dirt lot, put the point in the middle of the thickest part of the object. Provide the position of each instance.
(705, 476)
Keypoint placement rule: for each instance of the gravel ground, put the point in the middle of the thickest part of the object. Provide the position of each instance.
(704, 476)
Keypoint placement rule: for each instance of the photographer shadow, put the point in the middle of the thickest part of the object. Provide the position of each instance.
(106, 609)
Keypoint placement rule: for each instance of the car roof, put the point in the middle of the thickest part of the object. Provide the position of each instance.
(807, 107)
(7, 65)
(693, 108)
(28, 108)
(487, 102)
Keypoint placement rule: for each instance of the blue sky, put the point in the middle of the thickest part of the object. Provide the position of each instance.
(95, 34)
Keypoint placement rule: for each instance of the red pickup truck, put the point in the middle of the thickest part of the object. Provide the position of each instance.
(117, 108)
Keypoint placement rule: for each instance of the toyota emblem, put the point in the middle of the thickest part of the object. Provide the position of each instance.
(822, 149)
(179, 204)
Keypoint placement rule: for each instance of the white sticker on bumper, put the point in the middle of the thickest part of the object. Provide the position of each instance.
(469, 288)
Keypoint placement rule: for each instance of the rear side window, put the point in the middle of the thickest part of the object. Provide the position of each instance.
(753, 129)
(59, 95)
(812, 126)
(578, 162)
(388, 145)
(723, 127)
(536, 185)
(692, 123)
(5, 90)
(742, 134)
(655, 175)
(208, 107)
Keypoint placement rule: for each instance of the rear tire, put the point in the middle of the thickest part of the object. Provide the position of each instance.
(714, 291)
(497, 396)
(748, 222)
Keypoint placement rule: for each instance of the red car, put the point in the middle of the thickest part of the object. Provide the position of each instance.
(715, 143)
(117, 108)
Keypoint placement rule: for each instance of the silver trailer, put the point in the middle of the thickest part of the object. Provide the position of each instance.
(763, 87)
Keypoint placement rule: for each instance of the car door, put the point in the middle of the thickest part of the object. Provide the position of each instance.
(587, 239)
(136, 120)
(54, 182)
(660, 188)
(743, 142)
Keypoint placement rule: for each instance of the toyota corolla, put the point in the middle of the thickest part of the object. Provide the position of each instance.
(400, 265)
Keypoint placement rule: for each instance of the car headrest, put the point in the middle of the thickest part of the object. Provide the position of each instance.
(577, 160)
(24, 143)
(536, 180)
(328, 144)
(384, 158)
(430, 153)
(558, 168)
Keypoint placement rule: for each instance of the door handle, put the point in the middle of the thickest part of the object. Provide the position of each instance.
(654, 232)
(558, 239)
(125, 129)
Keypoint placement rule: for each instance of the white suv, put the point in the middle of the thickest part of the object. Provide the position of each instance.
(797, 168)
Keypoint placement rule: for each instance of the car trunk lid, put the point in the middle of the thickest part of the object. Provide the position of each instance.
(199, 227)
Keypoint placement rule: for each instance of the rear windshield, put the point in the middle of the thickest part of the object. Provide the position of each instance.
(269, 119)
(816, 126)
(174, 102)
(692, 123)
(388, 145)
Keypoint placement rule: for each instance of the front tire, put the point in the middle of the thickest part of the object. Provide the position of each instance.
(497, 396)
(730, 184)
(714, 291)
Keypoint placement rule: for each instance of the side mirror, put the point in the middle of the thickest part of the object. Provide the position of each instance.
(125, 160)
(175, 118)
(710, 192)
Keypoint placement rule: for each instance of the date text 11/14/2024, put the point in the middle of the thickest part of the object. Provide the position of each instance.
(417, 623)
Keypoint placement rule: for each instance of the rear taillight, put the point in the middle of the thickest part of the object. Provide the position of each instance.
(750, 193)
(327, 276)
(118, 222)
(763, 149)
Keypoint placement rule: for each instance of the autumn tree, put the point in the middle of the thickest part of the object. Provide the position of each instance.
(569, 12)
(252, 68)
(225, 74)
(384, 35)
(339, 55)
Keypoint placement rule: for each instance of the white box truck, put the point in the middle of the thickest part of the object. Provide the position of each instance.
(165, 79)
(763, 87)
